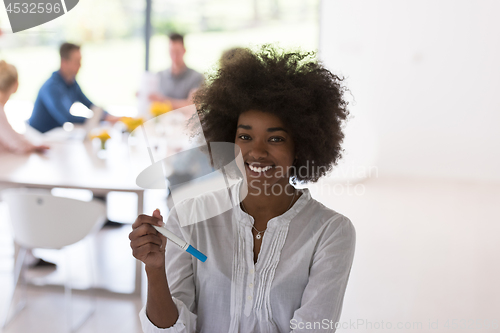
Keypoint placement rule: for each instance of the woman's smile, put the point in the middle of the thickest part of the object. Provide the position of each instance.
(267, 148)
(255, 170)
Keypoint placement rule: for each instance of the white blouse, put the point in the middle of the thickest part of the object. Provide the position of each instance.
(299, 279)
(10, 140)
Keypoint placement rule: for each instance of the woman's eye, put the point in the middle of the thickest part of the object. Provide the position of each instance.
(276, 139)
(244, 137)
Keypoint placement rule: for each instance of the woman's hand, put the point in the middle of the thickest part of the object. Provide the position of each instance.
(40, 148)
(147, 244)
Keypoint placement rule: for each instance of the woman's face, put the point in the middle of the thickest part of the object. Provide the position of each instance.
(267, 148)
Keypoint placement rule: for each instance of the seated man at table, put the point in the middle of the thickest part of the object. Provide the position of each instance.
(178, 83)
(59, 92)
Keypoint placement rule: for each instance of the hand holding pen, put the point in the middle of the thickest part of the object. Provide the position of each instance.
(149, 238)
(159, 227)
(148, 245)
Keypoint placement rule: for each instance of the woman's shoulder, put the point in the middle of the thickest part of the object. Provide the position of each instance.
(324, 220)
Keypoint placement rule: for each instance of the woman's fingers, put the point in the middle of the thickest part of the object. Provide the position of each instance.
(163, 246)
(143, 251)
(146, 242)
(146, 219)
(157, 214)
(142, 230)
(153, 239)
(143, 225)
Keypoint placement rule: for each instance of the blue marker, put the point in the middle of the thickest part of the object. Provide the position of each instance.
(181, 243)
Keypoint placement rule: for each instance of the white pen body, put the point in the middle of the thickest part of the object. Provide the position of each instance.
(167, 233)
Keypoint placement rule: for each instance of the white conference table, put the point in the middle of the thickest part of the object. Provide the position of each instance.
(75, 165)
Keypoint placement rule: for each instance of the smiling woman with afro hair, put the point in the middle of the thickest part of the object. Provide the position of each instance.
(278, 260)
(306, 96)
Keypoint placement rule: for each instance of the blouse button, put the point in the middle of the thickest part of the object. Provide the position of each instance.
(251, 271)
(249, 298)
(250, 285)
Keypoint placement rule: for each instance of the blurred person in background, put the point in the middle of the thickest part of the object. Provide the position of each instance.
(60, 92)
(10, 140)
(14, 142)
(178, 83)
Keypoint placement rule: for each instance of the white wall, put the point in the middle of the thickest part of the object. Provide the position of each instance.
(426, 78)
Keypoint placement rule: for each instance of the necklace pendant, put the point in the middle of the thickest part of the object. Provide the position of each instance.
(258, 236)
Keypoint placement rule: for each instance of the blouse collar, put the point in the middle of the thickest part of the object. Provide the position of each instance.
(282, 219)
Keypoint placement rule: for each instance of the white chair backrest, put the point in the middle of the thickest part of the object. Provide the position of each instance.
(41, 220)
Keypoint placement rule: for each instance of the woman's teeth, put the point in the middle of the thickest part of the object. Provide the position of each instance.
(259, 169)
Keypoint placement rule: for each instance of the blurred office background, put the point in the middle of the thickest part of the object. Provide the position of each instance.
(421, 175)
(112, 36)
(424, 76)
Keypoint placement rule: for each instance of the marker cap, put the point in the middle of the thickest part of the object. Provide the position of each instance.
(197, 254)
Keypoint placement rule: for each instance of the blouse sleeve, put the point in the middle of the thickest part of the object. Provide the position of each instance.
(324, 293)
(10, 139)
(180, 277)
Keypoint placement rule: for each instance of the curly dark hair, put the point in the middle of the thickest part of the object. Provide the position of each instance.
(306, 96)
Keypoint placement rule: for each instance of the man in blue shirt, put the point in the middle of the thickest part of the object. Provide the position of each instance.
(59, 92)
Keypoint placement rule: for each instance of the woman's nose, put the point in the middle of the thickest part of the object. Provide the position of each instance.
(258, 150)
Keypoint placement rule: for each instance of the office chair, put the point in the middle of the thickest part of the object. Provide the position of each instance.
(41, 220)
